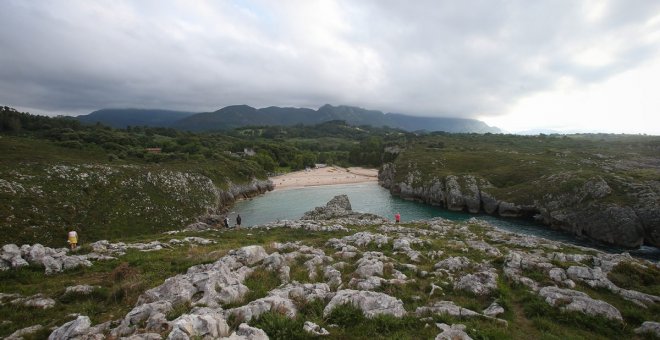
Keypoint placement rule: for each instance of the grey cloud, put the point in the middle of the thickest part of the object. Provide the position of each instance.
(428, 57)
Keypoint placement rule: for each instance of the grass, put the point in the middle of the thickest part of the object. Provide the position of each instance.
(632, 276)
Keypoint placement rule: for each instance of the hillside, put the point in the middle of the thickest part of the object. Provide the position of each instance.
(352, 276)
(121, 118)
(605, 187)
(236, 116)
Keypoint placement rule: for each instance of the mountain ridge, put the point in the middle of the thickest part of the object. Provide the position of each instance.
(235, 116)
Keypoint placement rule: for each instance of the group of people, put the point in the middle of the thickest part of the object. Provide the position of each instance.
(238, 221)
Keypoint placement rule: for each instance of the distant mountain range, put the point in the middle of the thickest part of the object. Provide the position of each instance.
(235, 116)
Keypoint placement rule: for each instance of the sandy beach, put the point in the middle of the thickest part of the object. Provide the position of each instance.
(324, 176)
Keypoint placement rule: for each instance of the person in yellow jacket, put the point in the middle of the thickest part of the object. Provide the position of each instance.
(73, 239)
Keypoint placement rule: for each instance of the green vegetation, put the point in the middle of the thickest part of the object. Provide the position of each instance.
(512, 163)
(57, 174)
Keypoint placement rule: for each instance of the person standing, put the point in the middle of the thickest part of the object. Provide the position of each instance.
(73, 239)
(397, 217)
(226, 222)
(238, 220)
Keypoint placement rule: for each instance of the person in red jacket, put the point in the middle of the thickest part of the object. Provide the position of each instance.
(397, 217)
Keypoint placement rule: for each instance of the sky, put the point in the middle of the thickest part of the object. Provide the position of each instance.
(547, 65)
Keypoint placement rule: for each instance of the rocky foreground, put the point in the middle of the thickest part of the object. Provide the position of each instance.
(448, 280)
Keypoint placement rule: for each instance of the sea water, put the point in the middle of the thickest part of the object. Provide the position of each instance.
(291, 204)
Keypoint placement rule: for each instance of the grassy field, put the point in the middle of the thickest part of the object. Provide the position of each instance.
(47, 189)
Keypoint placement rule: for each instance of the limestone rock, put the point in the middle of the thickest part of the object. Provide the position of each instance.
(249, 255)
(152, 314)
(71, 329)
(573, 300)
(18, 335)
(315, 329)
(257, 307)
(36, 301)
(453, 332)
(79, 289)
(493, 310)
(371, 303)
(651, 327)
(446, 307)
(246, 332)
(201, 323)
(453, 263)
(52, 265)
(481, 283)
(302, 291)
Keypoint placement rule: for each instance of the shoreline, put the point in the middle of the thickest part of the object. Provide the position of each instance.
(329, 175)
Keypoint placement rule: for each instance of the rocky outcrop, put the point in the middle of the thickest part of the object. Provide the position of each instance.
(338, 207)
(572, 300)
(584, 207)
(371, 303)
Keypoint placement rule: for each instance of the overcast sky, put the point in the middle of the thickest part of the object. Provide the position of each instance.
(566, 65)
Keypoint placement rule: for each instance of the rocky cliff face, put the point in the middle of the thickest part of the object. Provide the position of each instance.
(564, 201)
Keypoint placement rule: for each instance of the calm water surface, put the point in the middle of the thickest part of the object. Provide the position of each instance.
(290, 204)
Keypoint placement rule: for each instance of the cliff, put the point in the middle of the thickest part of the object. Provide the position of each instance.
(606, 188)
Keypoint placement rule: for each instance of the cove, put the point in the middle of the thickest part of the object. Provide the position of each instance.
(291, 204)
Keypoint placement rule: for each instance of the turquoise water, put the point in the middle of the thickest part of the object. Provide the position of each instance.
(290, 204)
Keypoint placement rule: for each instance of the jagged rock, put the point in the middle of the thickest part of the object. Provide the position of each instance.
(338, 207)
(332, 276)
(453, 263)
(313, 263)
(360, 239)
(489, 203)
(454, 196)
(650, 327)
(483, 246)
(371, 303)
(198, 226)
(71, 262)
(481, 283)
(506, 209)
(368, 267)
(493, 310)
(18, 335)
(52, 265)
(257, 307)
(36, 253)
(573, 300)
(557, 274)
(369, 283)
(9, 251)
(453, 332)
(152, 314)
(302, 291)
(315, 329)
(71, 329)
(79, 289)
(198, 240)
(201, 323)
(36, 301)
(446, 307)
(249, 255)
(246, 332)
(593, 277)
(142, 336)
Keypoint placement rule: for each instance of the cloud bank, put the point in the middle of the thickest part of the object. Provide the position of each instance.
(468, 59)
